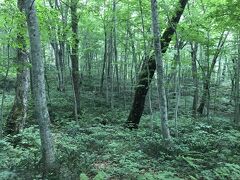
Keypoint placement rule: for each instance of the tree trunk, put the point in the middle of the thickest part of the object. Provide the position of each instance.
(143, 28)
(115, 44)
(149, 65)
(125, 65)
(109, 73)
(18, 114)
(160, 71)
(205, 95)
(194, 48)
(237, 86)
(39, 93)
(178, 82)
(104, 58)
(59, 64)
(207, 78)
(74, 57)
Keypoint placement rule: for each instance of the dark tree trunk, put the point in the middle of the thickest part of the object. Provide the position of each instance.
(74, 57)
(207, 78)
(237, 86)
(109, 74)
(194, 48)
(150, 66)
(141, 92)
(104, 59)
(205, 95)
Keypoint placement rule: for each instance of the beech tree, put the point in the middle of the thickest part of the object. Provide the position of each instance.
(39, 93)
(148, 70)
(74, 57)
(160, 71)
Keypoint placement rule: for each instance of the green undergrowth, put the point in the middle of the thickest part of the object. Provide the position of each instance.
(202, 150)
(98, 147)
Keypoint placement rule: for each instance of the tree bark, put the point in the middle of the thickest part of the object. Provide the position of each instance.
(149, 65)
(39, 93)
(207, 78)
(74, 57)
(194, 48)
(115, 44)
(160, 72)
(58, 63)
(237, 86)
(18, 114)
(104, 59)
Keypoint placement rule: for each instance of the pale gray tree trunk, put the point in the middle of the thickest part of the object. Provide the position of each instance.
(115, 44)
(160, 71)
(39, 93)
(177, 82)
(125, 65)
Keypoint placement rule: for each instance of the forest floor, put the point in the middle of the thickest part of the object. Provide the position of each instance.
(98, 147)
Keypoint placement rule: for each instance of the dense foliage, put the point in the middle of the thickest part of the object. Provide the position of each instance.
(76, 78)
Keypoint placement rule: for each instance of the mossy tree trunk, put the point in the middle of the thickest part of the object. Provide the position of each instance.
(194, 49)
(74, 57)
(18, 114)
(148, 69)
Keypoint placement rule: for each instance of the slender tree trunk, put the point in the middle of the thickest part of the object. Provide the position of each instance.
(115, 44)
(62, 65)
(143, 28)
(223, 74)
(207, 79)
(178, 83)
(160, 71)
(104, 58)
(237, 86)
(63, 36)
(74, 56)
(219, 71)
(194, 48)
(134, 56)
(57, 43)
(149, 65)
(39, 93)
(45, 76)
(109, 74)
(58, 63)
(125, 65)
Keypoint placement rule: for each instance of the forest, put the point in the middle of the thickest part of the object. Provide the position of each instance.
(120, 89)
